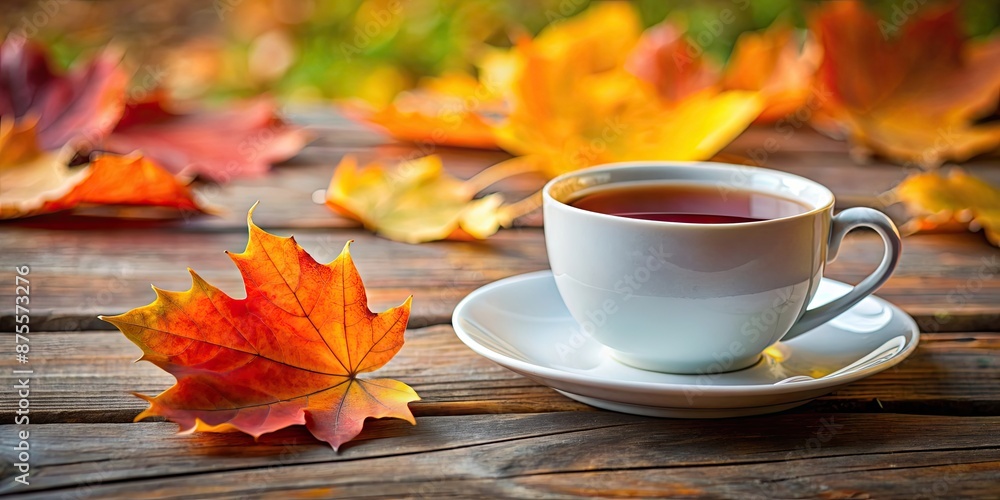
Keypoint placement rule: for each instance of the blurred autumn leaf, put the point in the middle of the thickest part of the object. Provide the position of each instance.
(570, 100)
(34, 182)
(417, 201)
(779, 62)
(938, 200)
(665, 58)
(49, 118)
(914, 98)
(575, 104)
(452, 110)
(84, 103)
(372, 49)
(564, 85)
(240, 140)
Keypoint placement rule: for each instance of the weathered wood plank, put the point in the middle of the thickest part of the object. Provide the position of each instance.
(947, 282)
(950, 373)
(813, 156)
(289, 188)
(89, 377)
(805, 153)
(566, 454)
(76, 275)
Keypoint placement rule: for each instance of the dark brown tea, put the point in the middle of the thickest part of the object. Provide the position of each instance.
(691, 203)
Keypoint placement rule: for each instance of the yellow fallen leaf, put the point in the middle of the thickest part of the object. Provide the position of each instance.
(936, 200)
(418, 201)
(780, 63)
(497, 70)
(574, 104)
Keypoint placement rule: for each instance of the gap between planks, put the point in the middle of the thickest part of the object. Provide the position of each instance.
(89, 377)
(569, 453)
(947, 282)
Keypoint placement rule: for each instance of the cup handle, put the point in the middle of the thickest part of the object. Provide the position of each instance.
(842, 223)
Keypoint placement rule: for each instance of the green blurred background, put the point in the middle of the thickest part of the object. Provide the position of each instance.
(309, 50)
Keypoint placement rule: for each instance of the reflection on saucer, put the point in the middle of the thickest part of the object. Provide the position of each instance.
(866, 317)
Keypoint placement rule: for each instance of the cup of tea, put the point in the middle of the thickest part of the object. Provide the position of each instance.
(698, 267)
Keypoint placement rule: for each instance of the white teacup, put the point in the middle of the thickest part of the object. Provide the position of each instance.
(701, 298)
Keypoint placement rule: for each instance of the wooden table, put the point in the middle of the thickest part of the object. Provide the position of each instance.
(929, 427)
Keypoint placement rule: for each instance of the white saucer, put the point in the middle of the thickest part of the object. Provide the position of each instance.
(522, 324)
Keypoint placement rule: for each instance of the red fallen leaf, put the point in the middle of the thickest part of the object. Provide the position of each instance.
(778, 64)
(34, 182)
(665, 59)
(217, 144)
(84, 103)
(911, 93)
(288, 354)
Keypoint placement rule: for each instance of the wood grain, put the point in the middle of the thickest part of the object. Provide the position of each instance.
(290, 187)
(75, 276)
(947, 282)
(923, 429)
(564, 454)
(89, 377)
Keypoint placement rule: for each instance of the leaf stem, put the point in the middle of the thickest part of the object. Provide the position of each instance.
(507, 168)
(507, 213)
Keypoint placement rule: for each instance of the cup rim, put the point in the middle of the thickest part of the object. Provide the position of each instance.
(547, 197)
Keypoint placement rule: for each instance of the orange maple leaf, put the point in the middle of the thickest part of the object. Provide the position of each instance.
(84, 103)
(288, 354)
(452, 110)
(34, 182)
(912, 93)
